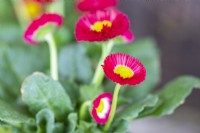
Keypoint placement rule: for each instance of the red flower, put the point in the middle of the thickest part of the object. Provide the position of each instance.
(42, 26)
(124, 69)
(101, 25)
(101, 107)
(93, 5)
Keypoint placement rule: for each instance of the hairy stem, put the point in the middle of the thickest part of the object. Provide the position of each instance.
(53, 56)
(98, 76)
(113, 108)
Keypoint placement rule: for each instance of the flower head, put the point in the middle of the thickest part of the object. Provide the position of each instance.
(124, 69)
(93, 5)
(101, 25)
(101, 107)
(42, 26)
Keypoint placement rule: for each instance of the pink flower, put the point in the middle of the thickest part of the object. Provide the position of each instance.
(101, 25)
(101, 107)
(124, 69)
(93, 5)
(42, 26)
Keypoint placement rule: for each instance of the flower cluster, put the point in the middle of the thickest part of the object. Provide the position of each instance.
(100, 24)
(122, 69)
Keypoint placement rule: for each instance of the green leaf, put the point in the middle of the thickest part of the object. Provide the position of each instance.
(4, 125)
(13, 33)
(72, 119)
(86, 127)
(73, 63)
(71, 15)
(30, 127)
(72, 90)
(7, 72)
(3, 95)
(133, 111)
(9, 114)
(90, 92)
(120, 126)
(59, 128)
(39, 91)
(146, 51)
(29, 56)
(174, 94)
(6, 13)
(45, 121)
(5, 130)
(13, 57)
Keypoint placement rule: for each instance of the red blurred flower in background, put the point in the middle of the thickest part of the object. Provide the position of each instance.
(92, 5)
(101, 25)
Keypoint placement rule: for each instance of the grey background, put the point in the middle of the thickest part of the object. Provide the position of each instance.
(175, 24)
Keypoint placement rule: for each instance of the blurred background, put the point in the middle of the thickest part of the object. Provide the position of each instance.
(175, 26)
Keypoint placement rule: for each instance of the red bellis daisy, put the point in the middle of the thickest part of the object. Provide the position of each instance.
(124, 69)
(101, 107)
(42, 26)
(101, 25)
(93, 5)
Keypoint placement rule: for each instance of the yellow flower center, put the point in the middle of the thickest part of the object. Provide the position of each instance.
(34, 9)
(98, 26)
(123, 71)
(100, 107)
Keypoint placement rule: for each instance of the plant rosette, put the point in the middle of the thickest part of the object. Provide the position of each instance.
(76, 93)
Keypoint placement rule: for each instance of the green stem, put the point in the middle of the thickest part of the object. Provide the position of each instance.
(84, 109)
(98, 76)
(53, 56)
(113, 108)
